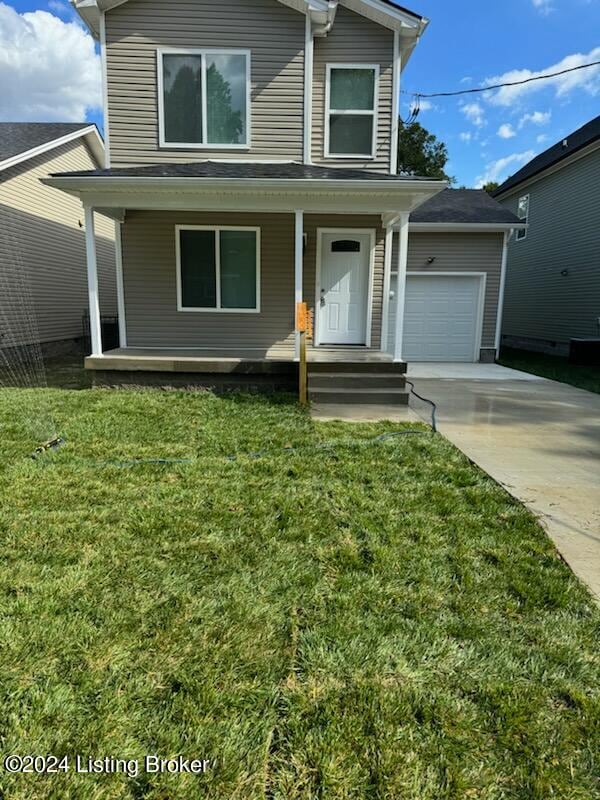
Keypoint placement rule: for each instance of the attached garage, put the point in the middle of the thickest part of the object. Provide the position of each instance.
(454, 279)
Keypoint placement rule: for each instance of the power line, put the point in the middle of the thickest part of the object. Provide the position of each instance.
(420, 95)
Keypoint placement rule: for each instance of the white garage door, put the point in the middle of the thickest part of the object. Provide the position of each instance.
(441, 320)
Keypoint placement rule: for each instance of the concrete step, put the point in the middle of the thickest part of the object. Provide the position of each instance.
(355, 367)
(357, 380)
(360, 396)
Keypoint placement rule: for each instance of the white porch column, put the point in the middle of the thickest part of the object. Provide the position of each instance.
(298, 272)
(120, 288)
(92, 276)
(401, 288)
(387, 280)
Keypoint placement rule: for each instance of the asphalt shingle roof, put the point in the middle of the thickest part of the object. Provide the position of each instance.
(586, 135)
(19, 137)
(219, 169)
(466, 206)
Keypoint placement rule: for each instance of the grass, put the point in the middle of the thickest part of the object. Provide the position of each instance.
(552, 367)
(346, 620)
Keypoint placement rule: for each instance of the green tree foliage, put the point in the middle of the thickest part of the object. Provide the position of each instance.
(491, 186)
(421, 153)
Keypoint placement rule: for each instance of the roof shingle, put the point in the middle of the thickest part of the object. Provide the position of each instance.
(19, 137)
(581, 138)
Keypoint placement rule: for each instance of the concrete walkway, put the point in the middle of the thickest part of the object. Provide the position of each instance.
(541, 441)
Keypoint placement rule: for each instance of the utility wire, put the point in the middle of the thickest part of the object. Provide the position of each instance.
(502, 85)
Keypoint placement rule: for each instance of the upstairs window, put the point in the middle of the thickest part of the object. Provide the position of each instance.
(523, 215)
(204, 98)
(351, 110)
(218, 269)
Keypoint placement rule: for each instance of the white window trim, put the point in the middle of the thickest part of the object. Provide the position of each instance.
(162, 51)
(521, 234)
(359, 112)
(217, 229)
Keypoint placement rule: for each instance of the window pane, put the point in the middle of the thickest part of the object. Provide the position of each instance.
(182, 84)
(198, 273)
(226, 99)
(238, 269)
(523, 207)
(352, 90)
(350, 135)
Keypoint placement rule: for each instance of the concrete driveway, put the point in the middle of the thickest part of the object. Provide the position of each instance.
(538, 438)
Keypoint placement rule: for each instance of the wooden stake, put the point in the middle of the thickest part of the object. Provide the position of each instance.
(302, 326)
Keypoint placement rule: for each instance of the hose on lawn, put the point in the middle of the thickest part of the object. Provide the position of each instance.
(58, 442)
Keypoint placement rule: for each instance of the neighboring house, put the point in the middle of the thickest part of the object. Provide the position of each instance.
(43, 281)
(553, 279)
(252, 160)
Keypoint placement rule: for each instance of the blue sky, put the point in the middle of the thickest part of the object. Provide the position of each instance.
(467, 43)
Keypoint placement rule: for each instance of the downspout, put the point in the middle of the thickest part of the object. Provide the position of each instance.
(332, 7)
(395, 104)
(308, 89)
(507, 237)
(104, 69)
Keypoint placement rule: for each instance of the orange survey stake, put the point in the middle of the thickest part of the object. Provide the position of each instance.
(302, 318)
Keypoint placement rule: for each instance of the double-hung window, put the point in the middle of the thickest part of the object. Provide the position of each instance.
(204, 98)
(523, 215)
(218, 269)
(351, 110)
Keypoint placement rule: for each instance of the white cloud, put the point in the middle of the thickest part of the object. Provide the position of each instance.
(543, 137)
(537, 118)
(544, 6)
(59, 7)
(587, 80)
(427, 105)
(506, 131)
(500, 170)
(466, 136)
(49, 69)
(474, 113)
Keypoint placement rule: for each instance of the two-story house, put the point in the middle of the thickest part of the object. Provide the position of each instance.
(252, 164)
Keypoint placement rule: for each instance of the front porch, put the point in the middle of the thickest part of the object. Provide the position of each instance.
(336, 374)
(222, 360)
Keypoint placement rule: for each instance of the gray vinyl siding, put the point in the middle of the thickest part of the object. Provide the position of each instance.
(456, 252)
(336, 221)
(273, 32)
(354, 40)
(43, 275)
(564, 233)
(149, 271)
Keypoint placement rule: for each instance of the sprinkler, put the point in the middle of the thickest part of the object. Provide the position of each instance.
(53, 444)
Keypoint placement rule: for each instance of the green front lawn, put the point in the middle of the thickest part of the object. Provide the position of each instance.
(552, 367)
(348, 620)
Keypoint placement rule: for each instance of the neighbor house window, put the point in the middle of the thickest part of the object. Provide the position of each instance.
(523, 215)
(218, 269)
(351, 111)
(203, 98)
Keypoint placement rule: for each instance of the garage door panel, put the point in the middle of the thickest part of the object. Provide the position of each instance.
(441, 317)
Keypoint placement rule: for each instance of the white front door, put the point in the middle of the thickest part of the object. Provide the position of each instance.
(344, 288)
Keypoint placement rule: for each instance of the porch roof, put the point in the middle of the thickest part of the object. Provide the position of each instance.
(247, 186)
(247, 170)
